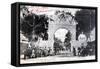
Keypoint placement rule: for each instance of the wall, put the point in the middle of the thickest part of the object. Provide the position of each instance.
(5, 36)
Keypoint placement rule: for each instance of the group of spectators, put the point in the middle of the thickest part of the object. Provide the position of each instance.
(85, 50)
(37, 52)
(47, 51)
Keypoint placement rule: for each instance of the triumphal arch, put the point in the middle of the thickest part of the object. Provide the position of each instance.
(67, 22)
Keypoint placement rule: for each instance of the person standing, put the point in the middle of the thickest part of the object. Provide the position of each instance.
(74, 51)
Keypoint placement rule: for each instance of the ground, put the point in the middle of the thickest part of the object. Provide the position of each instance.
(56, 58)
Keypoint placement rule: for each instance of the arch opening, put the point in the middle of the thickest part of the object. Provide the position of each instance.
(62, 38)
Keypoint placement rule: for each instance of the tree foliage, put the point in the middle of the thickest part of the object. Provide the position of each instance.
(86, 20)
(67, 37)
(35, 24)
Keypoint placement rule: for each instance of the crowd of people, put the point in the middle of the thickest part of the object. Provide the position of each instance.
(47, 51)
(85, 50)
(37, 52)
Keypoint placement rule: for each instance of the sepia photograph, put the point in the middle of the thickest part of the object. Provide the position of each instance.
(56, 34)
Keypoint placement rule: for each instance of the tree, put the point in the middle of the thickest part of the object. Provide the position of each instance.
(67, 41)
(86, 20)
(67, 37)
(34, 24)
